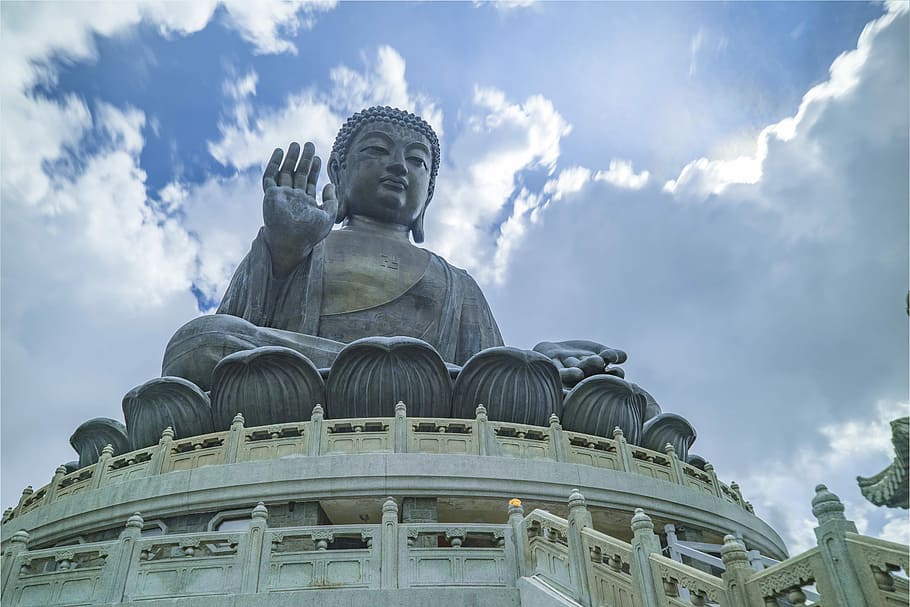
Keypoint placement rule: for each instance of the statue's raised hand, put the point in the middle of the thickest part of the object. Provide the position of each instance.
(294, 220)
(577, 359)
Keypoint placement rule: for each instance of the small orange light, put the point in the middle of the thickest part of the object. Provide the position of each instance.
(515, 502)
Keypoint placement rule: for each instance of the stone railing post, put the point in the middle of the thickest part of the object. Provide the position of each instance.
(715, 483)
(401, 428)
(122, 560)
(52, 489)
(557, 439)
(101, 467)
(10, 569)
(736, 573)
(644, 544)
(622, 448)
(843, 577)
(26, 493)
(578, 519)
(675, 465)
(316, 429)
(159, 457)
(520, 538)
(234, 439)
(255, 550)
(734, 487)
(486, 437)
(388, 562)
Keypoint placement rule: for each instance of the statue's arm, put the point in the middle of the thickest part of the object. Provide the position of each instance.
(294, 220)
(478, 329)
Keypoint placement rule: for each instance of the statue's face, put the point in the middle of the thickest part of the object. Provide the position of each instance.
(387, 173)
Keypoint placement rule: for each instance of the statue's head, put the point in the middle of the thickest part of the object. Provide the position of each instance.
(384, 164)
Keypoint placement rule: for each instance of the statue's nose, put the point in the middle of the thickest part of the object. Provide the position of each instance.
(397, 164)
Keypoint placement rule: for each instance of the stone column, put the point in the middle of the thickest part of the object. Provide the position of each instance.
(737, 571)
(388, 566)
(256, 550)
(622, 448)
(520, 538)
(486, 437)
(557, 440)
(26, 493)
(234, 439)
(401, 428)
(578, 519)
(102, 466)
(715, 484)
(10, 568)
(845, 583)
(156, 466)
(52, 489)
(644, 544)
(122, 560)
(674, 464)
(315, 443)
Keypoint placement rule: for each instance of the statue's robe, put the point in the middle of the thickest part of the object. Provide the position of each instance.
(360, 285)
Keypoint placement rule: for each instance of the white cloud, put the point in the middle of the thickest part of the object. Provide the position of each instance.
(266, 25)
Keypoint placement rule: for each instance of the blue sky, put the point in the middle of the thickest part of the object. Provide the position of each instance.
(720, 189)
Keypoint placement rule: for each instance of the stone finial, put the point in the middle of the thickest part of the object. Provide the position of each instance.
(480, 413)
(554, 419)
(60, 471)
(27, 491)
(576, 499)
(238, 420)
(318, 413)
(108, 450)
(515, 507)
(136, 521)
(390, 506)
(826, 505)
(260, 512)
(617, 433)
(20, 537)
(167, 433)
(7, 514)
(670, 450)
(734, 552)
(401, 410)
(734, 486)
(641, 522)
(709, 467)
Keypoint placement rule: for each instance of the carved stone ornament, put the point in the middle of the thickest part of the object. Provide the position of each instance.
(696, 461)
(90, 438)
(269, 385)
(517, 386)
(372, 374)
(163, 402)
(891, 486)
(669, 428)
(600, 403)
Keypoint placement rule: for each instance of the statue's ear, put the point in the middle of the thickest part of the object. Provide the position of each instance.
(334, 171)
(417, 227)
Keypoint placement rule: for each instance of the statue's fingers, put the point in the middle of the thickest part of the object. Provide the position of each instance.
(313, 176)
(330, 201)
(571, 376)
(617, 371)
(613, 356)
(571, 361)
(286, 174)
(591, 365)
(302, 174)
(271, 170)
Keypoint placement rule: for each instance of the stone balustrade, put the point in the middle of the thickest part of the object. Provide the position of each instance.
(399, 434)
(539, 555)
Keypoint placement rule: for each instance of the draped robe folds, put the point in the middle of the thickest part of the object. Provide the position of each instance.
(456, 318)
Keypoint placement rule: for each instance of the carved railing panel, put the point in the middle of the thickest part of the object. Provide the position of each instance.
(196, 451)
(340, 556)
(455, 555)
(703, 588)
(367, 435)
(594, 451)
(453, 436)
(71, 575)
(272, 442)
(130, 465)
(523, 441)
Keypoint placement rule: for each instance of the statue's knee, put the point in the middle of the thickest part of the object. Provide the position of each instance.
(200, 344)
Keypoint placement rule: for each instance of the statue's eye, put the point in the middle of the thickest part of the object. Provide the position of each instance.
(418, 161)
(374, 149)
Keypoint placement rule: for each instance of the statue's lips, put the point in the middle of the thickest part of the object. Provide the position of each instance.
(394, 183)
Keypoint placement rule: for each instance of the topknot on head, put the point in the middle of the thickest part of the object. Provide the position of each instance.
(392, 115)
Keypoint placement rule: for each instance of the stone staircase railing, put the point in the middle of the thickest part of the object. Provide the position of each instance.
(399, 434)
(566, 556)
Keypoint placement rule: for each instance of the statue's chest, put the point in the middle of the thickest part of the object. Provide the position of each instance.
(361, 273)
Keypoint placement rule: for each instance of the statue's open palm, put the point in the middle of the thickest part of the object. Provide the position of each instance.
(293, 217)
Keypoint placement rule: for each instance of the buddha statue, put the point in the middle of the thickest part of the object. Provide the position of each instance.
(359, 317)
(310, 288)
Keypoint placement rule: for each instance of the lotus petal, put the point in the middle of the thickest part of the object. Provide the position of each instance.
(90, 438)
(669, 428)
(268, 385)
(600, 403)
(372, 374)
(518, 386)
(163, 402)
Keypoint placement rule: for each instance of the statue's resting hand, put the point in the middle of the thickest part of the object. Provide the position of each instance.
(578, 359)
(294, 221)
